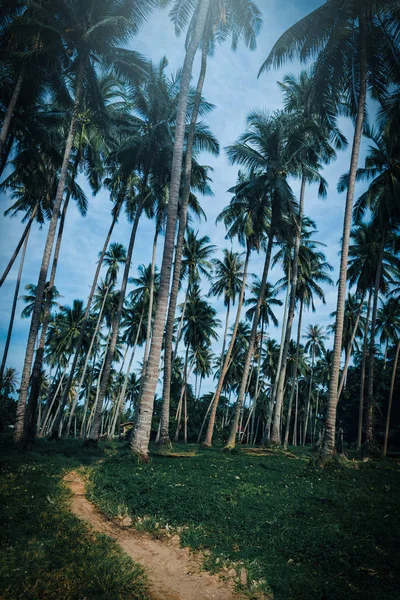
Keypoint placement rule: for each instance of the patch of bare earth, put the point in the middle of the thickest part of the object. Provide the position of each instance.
(173, 572)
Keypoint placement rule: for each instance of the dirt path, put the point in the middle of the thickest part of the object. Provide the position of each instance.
(173, 573)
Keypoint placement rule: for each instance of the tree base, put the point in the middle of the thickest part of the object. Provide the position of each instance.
(164, 443)
(90, 443)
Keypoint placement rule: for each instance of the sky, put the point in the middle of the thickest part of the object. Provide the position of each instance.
(233, 87)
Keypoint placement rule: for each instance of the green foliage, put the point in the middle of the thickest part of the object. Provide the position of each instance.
(302, 532)
(47, 553)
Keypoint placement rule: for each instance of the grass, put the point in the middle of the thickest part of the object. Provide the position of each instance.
(46, 553)
(301, 532)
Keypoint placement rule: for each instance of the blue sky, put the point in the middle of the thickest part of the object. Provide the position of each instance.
(232, 85)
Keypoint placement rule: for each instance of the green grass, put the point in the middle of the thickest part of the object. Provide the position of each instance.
(303, 533)
(46, 553)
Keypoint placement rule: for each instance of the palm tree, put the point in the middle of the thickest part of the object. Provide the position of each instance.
(226, 282)
(195, 264)
(237, 22)
(315, 346)
(91, 35)
(246, 218)
(262, 150)
(337, 34)
(387, 323)
(142, 433)
(199, 330)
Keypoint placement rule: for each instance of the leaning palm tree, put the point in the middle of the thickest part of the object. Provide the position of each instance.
(92, 33)
(353, 53)
(240, 15)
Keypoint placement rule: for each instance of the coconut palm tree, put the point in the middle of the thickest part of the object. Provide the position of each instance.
(315, 346)
(91, 34)
(246, 218)
(353, 53)
(226, 282)
(237, 23)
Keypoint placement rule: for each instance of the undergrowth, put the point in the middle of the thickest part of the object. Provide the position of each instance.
(302, 532)
(46, 553)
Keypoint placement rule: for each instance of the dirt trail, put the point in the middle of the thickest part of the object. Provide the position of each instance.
(173, 573)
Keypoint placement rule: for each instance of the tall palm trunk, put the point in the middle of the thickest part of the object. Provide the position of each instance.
(168, 360)
(88, 307)
(363, 366)
(369, 429)
(94, 432)
(349, 348)
(258, 384)
(228, 308)
(151, 299)
(6, 151)
(121, 399)
(36, 376)
(252, 340)
(227, 361)
(294, 384)
(35, 321)
(275, 436)
(309, 398)
(13, 309)
(389, 409)
(328, 442)
(10, 111)
(267, 431)
(25, 233)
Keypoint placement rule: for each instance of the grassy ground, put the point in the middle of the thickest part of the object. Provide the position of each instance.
(46, 553)
(302, 533)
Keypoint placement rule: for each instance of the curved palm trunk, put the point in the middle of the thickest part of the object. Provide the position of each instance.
(227, 361)
(10, 111)
(389, 409)
(24, 235)
(35, 321)
(362, 382)
(328, 442)
(94, 432)
(151, 299)
(13, 309)
(88, 306)
(36, 376)
(276, 425)
(168, 360)
(250, 349)
(294, 384)
(369, 429)
(349, 348)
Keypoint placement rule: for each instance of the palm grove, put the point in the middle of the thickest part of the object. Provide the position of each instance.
(77, 100)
